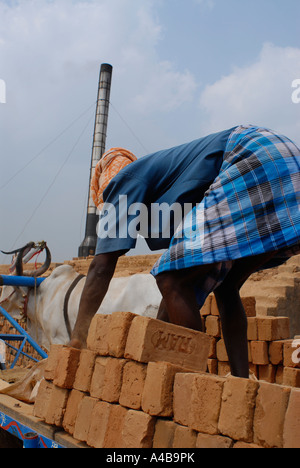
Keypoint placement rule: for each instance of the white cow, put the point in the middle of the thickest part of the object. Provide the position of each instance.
(44, 306)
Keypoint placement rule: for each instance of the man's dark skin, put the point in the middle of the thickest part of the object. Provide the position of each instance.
(179, 305)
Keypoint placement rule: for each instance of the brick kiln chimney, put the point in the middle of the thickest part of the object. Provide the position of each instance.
(88, 245)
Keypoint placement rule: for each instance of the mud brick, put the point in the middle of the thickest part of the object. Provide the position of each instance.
(183, 385)
(221, 351)
(84, 416)
(291, 377)
(267, 373)
(118, 332)
(85, 371)
(259, 352)
(223, 368)
(291, 354)
(157, 397)
(252, 331)
(184, 437)
(273, 328)
(115, 426)
(164, 434)
(138, 430)
(42, 399)
(66, 370)
(97, 381)
(253, 368)
(205, 310)
(98, 333)
(276, 352)
(206, 441)
(212, 354)
(244, 445)
(249, 304)
(107, 379)
(249, 352)
(113, 380)
(151, 340)
(57, 406)
(271, 406)
(70, 416)
(291, 431)
(237, 410)
(212, 366)
(213, 326)
(279, 375)
(206, 395)
(214, 310)
(52, 362)
(99, 422)
(134, 376)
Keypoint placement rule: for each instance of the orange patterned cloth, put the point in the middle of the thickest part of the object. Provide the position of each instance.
(111, 163)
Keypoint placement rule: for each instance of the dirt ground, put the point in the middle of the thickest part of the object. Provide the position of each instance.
(127, 266)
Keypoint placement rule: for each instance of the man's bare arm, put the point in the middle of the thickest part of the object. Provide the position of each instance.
(97, 283)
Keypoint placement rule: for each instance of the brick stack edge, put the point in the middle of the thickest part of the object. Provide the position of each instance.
(141, 384)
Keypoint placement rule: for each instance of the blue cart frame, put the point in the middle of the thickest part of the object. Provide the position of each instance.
(24, 433)
(22, 335)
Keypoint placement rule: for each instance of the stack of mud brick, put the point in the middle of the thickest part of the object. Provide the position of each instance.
(142, 383)
(7, 329)
(273, 356)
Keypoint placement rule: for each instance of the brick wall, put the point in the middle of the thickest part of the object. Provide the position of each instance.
(269, 344)
(142, 383)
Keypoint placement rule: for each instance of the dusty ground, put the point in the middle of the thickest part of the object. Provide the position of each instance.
(142, 264)
(127, 265)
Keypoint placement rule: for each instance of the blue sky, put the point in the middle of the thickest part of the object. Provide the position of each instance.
(224, 33)
(182, 69)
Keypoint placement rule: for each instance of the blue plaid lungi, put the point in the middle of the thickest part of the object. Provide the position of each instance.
(251, 208)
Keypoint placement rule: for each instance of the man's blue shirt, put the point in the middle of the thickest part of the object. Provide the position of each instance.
(177, 175)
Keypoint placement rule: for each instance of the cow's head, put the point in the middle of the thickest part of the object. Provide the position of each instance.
(14, 298)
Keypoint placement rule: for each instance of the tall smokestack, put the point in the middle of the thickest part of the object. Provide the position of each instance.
(88, 246)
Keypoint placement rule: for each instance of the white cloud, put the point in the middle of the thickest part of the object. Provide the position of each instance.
(44, 42)
(50, 54)
(260, 94)
(166, 89)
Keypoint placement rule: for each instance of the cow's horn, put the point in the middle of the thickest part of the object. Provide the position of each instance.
(21, 253)
(40, 271)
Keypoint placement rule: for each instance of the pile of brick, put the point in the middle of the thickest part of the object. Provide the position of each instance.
(142, 383)
(271, 351)
(23, 361)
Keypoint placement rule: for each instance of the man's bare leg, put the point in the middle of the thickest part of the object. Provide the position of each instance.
(162, 312)
(232, 313)
(182, 308)
(179, 298)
